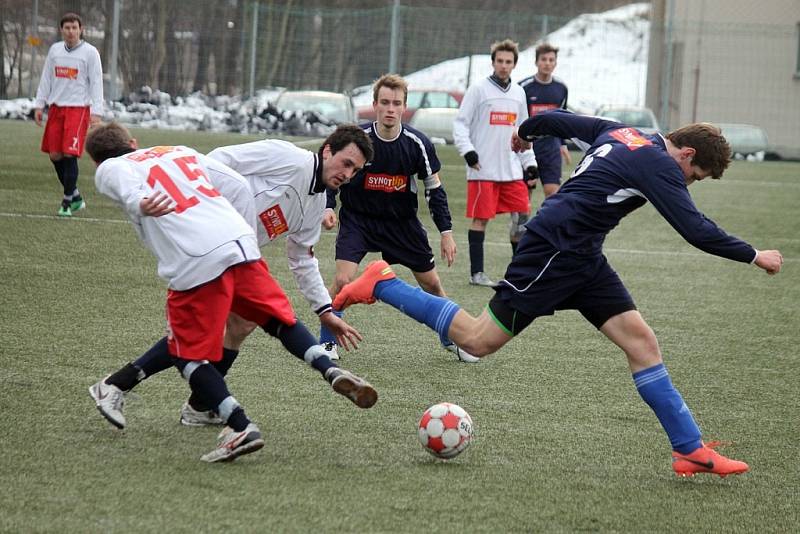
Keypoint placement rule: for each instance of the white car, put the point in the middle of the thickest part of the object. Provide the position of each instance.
(639, 117)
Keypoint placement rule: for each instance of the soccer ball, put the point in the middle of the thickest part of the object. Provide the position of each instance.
(445, 430)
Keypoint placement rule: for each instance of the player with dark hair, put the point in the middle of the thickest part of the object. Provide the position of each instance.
(544, 92)
(490, 112)
(560, 264)
(208, 253)
(72, 87)
(379, 206)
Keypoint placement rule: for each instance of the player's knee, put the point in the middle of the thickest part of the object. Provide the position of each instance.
(236, 330)
(517, 227)
(56, 156)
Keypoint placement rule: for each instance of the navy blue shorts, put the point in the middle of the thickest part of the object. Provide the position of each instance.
(548, 158)
(540, 280)
(399, 241)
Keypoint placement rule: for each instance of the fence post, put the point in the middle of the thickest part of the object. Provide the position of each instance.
(253, 38)
(114, 52)
(394, 36)
(34, 33)
(666, 88)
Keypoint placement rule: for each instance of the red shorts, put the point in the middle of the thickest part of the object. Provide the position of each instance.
(65, 129)
(196, 317)
(485, 198)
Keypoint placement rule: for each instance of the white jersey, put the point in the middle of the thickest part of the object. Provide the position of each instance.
(486, 119)
(203, 237)
(290, 201)
(71, 77)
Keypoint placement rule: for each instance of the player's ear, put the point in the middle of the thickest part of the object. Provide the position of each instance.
(688, 152)
(326, 152)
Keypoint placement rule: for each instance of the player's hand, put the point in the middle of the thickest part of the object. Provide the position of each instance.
(565, 154)
(531, 176)
(37, 116)
(157, 205)
(95, 119)
(471, 158)
(448, 248)
(770, 260)
(518, 144)
(346, 335)
(329, 219)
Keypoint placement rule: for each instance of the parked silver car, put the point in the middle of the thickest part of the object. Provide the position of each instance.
(436, 123)
(745, 139)
(335, 107)
(640, 118)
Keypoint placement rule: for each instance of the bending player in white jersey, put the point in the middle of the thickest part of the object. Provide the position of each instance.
(208, 254)
(288, 186)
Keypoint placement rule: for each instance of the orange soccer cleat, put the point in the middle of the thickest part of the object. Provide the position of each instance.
(362, 288)
(706, 460)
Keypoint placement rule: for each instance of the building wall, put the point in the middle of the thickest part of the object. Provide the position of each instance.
(732, 61)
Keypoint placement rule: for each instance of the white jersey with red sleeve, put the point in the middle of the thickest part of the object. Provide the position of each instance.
(290, 202)
(487, 117)
(203, 236)
(72, 77)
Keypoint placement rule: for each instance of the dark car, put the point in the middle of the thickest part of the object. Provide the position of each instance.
(419, 99)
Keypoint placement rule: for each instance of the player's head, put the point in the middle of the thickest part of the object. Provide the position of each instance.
(344, 153)
(701, 151)
(71, 28)
(106, 141)
(504, 58)
(389, 100)
(546, 59)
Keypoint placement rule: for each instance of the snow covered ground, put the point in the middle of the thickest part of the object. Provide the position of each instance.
(602, 59)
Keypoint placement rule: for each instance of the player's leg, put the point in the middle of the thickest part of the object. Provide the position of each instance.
(482, 197)
(351, 247)
(197, 320)
(629, 331)
(52, 142)
(76, 124)
(260, 299)
(514, 199)
(517, 228)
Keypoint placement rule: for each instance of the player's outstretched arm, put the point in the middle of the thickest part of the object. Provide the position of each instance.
(769, 260)
(346, 335)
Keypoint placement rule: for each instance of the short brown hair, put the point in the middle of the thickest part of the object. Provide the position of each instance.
(350, 133)
(393, 82)
(507, 45)
(545, 48)
(70, 17)
(106, 141)
(712, 151)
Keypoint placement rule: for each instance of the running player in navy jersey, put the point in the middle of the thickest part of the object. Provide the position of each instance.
(560, 264)
(544, 92)
(379, 205)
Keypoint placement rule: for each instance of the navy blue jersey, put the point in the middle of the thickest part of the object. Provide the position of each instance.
(544, 96)
(387, 186)
(622, 170)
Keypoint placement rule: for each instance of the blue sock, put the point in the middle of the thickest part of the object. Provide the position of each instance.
(655, 387)
(325, 335)
(435, 312)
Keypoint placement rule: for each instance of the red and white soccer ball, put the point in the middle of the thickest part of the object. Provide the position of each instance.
(445, 430)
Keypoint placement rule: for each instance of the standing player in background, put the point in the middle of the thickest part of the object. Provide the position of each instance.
(286, 186)
(379, 206)
(489, 114)
(560, 263)
(208, 253)
(544, 92)
(72, 85)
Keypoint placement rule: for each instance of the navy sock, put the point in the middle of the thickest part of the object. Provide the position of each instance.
(222, 366)
(475, 251)
(325, 335)
(210, 387)
(156, 359)
(514, 247)
(300, 342)
(655, 387)
(59, 170)
(127, 377)
(435, 312)
(70, 170)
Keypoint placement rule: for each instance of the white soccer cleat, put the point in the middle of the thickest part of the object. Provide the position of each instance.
(331, 350)
(109, 400)
(192, 417)
(481, 279)
(232, 444)
(463, 355)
